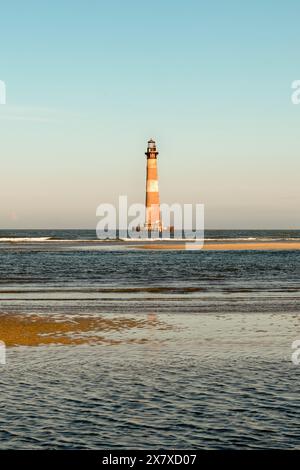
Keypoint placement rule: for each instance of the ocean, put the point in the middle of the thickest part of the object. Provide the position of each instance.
(194, 350)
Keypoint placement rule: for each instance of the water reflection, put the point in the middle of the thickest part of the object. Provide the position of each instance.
(165, 381)
(35, 330)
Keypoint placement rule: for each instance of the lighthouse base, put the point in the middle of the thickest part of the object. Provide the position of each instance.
(147, 231)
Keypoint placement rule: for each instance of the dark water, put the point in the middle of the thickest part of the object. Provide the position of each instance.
(210, 366)
(103, 277)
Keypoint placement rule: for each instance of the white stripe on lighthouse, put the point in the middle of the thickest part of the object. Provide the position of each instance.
(152, 186)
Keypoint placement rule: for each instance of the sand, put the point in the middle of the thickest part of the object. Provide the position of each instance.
(38, 330)
(225, 246)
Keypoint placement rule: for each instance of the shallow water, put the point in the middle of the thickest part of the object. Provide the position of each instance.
(49, 278)
(206, 363)
(194, 382)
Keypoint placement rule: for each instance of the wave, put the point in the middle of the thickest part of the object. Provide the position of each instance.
(82, 240)
(50, 239)
(233, 239)
(24, 239)
(113, 240)
(178, 239)
(106, 290)
(259, 239)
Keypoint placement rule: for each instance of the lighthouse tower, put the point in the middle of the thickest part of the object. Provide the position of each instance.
(153, 217)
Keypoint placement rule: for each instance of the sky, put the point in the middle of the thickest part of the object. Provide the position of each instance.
(88, 83)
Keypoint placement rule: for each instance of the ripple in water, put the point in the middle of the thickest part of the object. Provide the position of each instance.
(201, 382)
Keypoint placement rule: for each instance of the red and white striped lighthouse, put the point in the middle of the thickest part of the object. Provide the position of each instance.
(153, 216)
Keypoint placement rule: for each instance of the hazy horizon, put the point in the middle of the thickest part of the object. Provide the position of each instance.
(85, 91)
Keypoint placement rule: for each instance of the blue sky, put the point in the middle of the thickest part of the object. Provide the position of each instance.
(89, 82)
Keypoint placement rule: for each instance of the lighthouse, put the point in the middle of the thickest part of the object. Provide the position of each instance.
(153, 216)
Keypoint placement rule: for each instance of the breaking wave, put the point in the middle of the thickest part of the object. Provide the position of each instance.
(24, 239)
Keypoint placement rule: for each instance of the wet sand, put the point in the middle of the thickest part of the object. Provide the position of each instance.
(38, 330)
(224, 246)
